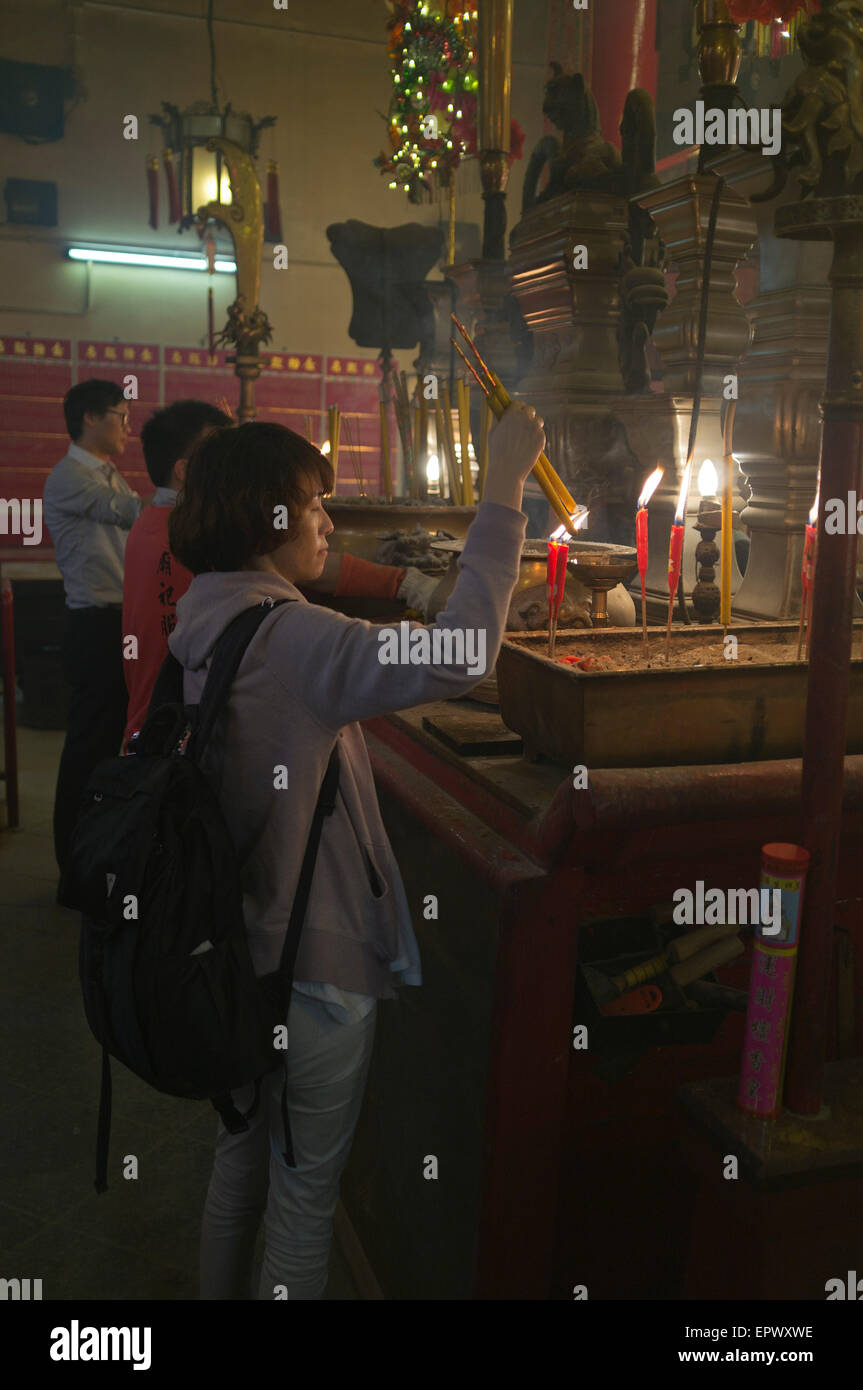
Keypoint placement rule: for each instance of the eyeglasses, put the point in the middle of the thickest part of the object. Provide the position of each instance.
(124, 415)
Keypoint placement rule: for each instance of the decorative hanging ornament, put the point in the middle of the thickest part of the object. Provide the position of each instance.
(171, 181)
(153, 189)
(274, 213)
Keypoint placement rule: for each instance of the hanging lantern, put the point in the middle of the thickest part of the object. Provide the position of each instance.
(195, 175)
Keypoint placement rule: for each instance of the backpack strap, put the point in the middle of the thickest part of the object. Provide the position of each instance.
(168, 688)
(103, 1133)
(325, 807)
(227, 655)
(277, 986)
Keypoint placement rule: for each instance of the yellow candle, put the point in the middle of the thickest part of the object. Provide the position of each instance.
(385, 452)
(446, 406)
(727, 519)
(422, 451)
(464, 439)
(335, 423)
(443, 450)
(485, 421)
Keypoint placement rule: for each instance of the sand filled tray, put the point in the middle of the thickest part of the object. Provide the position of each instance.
(605, 702)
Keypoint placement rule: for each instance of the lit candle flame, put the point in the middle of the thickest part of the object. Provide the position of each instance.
(813, 514)
(650, 486)
(684, 493)
(577, 520)
(325, 447)
(708, 479)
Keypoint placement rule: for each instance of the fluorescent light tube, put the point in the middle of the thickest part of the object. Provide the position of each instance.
(154, 259)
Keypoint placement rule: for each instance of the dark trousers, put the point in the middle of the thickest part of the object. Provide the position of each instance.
(93, 667)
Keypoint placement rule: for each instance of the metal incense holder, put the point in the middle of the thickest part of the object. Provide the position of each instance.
(599, 567)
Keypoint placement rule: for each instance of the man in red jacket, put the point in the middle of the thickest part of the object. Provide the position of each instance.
(155, 581)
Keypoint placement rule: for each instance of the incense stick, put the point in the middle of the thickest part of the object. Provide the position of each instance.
(556, 493)
(402, 404)
(485, 420)
(355, 463)
(385, 451)
(444, 453)
(498, 400)
(358, 428)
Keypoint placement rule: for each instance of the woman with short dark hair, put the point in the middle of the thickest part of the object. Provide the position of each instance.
(251, 525)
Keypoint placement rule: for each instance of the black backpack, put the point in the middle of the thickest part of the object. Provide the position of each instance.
(168, 981)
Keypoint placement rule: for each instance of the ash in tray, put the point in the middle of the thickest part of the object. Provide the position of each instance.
(405, 548)
(605, 656)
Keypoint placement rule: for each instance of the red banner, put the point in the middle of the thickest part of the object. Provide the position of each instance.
(39, 349)
(294, 389)
(118, 354)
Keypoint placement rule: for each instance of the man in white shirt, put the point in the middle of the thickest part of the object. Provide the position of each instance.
(89, 509)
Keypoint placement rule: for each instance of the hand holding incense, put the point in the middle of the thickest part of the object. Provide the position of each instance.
(641, 540)
(499, 399)
(675, 550)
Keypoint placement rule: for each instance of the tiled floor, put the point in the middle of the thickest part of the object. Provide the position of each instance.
(139, 1240)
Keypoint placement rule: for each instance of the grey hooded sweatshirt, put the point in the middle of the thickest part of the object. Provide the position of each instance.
(307, 677)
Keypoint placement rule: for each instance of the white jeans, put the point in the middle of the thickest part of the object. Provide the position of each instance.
(327, 1065)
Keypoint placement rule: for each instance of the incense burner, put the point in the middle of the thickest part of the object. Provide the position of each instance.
(594, 570)
(360, 524)
(730, 712)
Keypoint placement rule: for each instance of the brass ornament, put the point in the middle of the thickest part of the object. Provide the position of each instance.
(822, 113)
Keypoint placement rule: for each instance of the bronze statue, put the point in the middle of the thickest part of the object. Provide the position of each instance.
(581, 159)
(822, 114)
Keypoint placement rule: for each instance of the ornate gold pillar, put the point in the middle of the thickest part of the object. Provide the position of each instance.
(495, 85)
(248, 325)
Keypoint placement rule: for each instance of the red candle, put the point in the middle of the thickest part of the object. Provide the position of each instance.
(807, 571)
(555, 574)
(675, 556)
(675, 548)
(641, 540)
(555, 582)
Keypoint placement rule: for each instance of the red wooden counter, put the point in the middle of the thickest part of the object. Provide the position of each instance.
(494, 1160)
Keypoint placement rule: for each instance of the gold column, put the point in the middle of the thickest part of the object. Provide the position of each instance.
(721, 48)
(495, 87)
